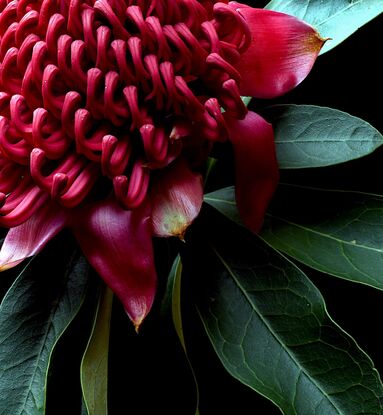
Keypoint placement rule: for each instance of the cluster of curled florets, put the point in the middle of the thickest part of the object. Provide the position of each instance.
(108, 88)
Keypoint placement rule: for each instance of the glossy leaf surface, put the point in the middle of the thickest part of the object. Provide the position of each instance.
(269, 326)
(312, 136)
(33, 315)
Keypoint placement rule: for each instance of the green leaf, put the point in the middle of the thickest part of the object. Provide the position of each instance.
(246, 100)
(224, 201)
(337, 232)
(172, 301)
(311, 136)
(174, 287)
(84, 411)
(94, 364)
(269, 327)
(336, 19)
(33, 315)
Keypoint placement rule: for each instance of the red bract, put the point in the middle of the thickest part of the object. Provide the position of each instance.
(105, 107)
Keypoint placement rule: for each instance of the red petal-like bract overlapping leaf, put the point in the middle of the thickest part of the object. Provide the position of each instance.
(256, 167)
(118, 244)
(281, 54)
(31, 236)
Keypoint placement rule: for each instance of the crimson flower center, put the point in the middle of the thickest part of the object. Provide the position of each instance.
(108, 88)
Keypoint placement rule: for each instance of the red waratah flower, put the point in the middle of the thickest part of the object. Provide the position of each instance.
(107, 109)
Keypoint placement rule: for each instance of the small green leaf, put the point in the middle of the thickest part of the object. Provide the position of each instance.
(224, 201)
(94, 365)
(246, 100)
(33, 315)
(336, 19)
(174, 281)
(172, 301)
(311, 136)
(269, 327)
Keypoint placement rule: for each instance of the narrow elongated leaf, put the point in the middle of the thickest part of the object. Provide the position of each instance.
(336, 19)
(337, 232)
(174, 289)
(33, 315)
(172, 301)
(94, 365)
(312, 136)
(269, 327)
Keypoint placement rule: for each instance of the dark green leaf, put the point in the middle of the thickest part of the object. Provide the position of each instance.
(269, 326)
(224, 201)
(33, 315)
(337, 232)
(336, 19)
(94, 365)
(84, 411)
(311, 136)
(172, 304)
(174, 293)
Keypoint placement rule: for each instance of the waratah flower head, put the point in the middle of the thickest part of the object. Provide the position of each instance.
(106, 107)
(93, 89)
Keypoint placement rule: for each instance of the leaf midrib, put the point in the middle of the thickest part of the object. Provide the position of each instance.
(345, 141)
(48, 326)
(329, 17)
(279, 340)
(338, 12)
(310, 230)
(228, 202)
(325, 235)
